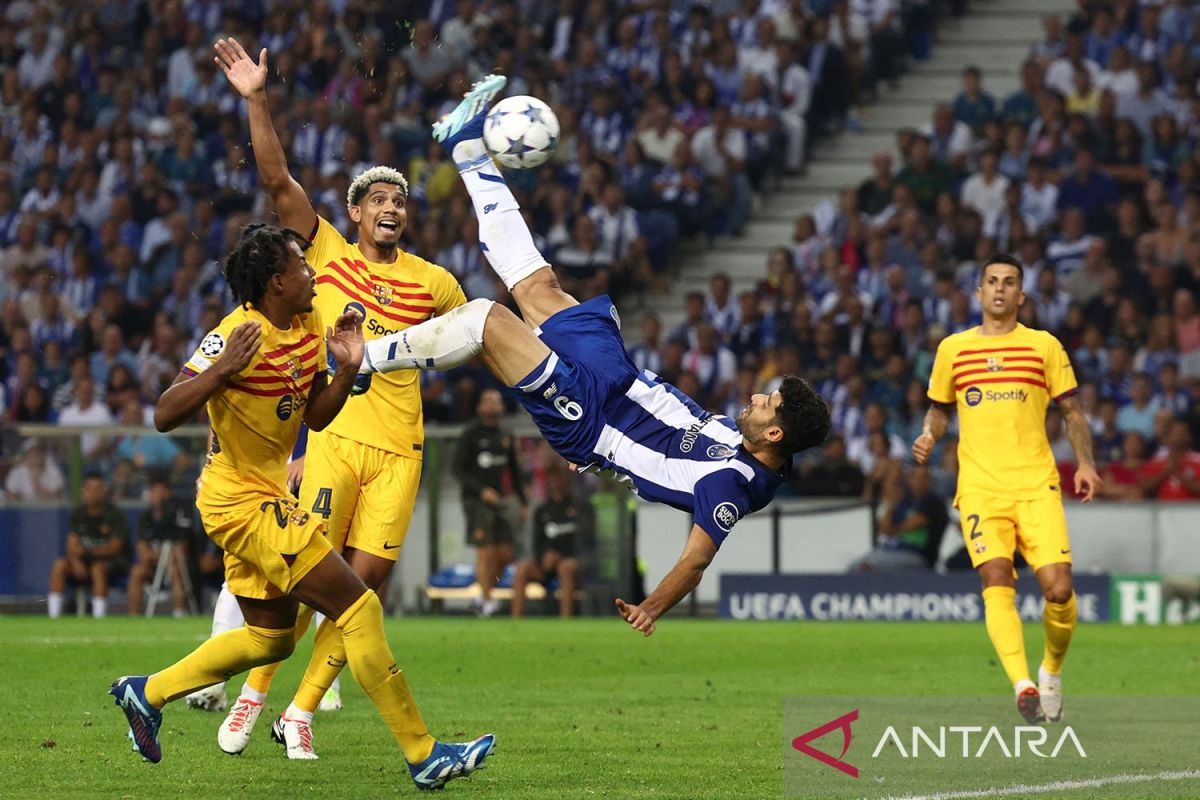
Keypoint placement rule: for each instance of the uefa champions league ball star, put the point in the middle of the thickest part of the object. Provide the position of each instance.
(520, 132)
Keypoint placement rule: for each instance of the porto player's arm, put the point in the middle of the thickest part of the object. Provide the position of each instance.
(683, 578)
(250, 80)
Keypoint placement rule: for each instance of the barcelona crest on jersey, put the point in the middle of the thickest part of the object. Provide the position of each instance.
(383, 294)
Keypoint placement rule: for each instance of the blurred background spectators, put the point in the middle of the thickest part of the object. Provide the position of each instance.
(126, 173)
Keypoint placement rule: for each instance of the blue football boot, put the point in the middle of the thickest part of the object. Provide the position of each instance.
(144, 719)
(465, 122)
(450, 761)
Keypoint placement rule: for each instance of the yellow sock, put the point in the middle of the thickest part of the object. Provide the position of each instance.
(260, 678)
(219, 659)
(328, 660)
(1059, 621)
(375, 669)
(1004, 629)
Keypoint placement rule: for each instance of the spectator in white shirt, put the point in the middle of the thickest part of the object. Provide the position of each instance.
(949, 139)
(1061, 74)
(722, 150)
(657, 133)
(616, 223)
(795, 96)
(43, 196)
(458, 32)
(87, 410)
(1065, 254)
(720, 307)
(36, 67)
(761, 58)
(984, 191)
(713, 364)
(1039, 197)
(36, 478)
(1050, 302)
(1120, 77)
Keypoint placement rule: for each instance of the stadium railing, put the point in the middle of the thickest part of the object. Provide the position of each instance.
(793, 535)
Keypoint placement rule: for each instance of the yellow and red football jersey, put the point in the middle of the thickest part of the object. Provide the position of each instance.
(1002, 385)
(390, 298)
(256, 417)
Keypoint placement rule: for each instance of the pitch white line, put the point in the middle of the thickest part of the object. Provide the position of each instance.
(1056, 786)
(83, 640)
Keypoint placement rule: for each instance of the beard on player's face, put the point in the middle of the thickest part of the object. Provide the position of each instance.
(382, 219)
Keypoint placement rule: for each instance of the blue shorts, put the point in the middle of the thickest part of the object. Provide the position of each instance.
(568, 395)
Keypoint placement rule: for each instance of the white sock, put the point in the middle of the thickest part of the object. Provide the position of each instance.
(227, 614)
(297, 715)
(99, 607)
(54, 604)
(252, 694)
(503, 234)
(440, 343)
(1024, 684)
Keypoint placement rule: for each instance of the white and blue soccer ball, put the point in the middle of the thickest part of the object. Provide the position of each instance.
(520, 132)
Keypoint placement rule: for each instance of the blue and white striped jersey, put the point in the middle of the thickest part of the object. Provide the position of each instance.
(675, 452)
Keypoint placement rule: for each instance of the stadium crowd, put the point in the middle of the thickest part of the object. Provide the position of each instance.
(1088, 173)
(127, 174)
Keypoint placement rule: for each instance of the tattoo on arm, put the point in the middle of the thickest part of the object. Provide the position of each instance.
(1078, 432)
(937, 419)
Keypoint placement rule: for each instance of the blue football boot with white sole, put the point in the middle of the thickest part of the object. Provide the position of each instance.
(144, 719)
(449, 761)
(465, 122)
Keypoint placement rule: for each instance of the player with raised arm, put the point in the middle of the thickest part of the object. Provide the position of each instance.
(568, 364)
(362, 473)
(260, 372)
(1002, 376)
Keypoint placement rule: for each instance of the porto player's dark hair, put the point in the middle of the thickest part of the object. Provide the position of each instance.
(802, 415)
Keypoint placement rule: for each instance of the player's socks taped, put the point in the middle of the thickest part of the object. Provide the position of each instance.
(503, 235)
(470, 155)
(221, 656)
(328, 659)
(375, 669)
(1059, 621)
(1004, 629)
(440, 343)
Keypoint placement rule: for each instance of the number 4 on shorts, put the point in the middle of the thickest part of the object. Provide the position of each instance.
(323, 504)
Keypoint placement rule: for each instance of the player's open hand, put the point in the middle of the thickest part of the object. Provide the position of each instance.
(922, 447)
(637, 617)
(1087, 481)
(244, 75)
(240, 348)
(345, 341)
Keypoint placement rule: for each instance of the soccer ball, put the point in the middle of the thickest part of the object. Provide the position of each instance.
(520, 132)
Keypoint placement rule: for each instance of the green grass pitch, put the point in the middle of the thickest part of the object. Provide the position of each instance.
(581, 709)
